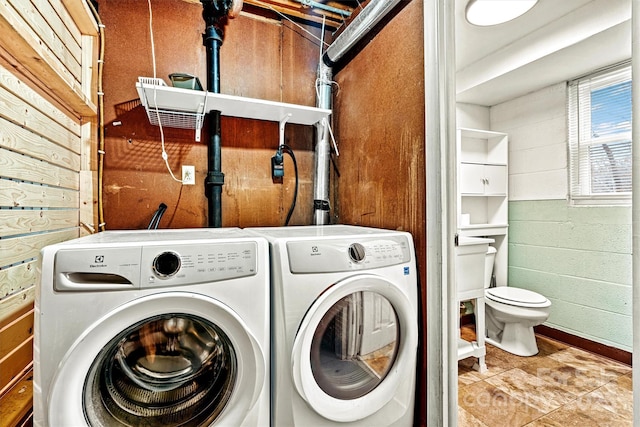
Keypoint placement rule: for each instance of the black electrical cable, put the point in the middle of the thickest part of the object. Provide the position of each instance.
(285, 148)
(157, 216)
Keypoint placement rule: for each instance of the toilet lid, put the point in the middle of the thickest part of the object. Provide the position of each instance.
(516, 296)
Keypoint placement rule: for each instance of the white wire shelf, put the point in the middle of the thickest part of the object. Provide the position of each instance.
(186, 108)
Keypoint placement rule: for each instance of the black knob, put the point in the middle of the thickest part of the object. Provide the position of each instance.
(166, 264)
(356, 252)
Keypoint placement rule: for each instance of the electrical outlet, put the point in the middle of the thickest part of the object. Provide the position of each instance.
(188, 175)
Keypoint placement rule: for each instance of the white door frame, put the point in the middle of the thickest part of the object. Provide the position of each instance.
(635, 214)
(440, 137)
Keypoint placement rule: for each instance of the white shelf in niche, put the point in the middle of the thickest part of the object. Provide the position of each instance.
(185, 108)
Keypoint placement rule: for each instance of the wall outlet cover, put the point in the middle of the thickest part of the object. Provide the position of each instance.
(188, 175)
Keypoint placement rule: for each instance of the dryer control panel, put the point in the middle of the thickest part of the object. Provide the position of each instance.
(334, 255)
(138, 267)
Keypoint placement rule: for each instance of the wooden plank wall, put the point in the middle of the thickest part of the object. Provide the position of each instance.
(47, 92)
(260, 58)
(380, 125)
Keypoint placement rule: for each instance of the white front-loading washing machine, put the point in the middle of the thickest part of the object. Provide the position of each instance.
(344, 326)
(153, 328)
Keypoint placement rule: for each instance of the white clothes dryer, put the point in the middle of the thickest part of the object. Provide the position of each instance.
(156, 328)
(344, 326)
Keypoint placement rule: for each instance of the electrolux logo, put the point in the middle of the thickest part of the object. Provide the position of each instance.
(98, 262)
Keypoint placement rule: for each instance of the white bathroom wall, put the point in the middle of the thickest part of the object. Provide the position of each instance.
(472, 116)
(536, 124)
(577, 256)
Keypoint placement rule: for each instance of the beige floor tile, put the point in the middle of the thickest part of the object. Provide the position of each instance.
(561, 386)
(494, 407)
(576, 414)
(532, 390)
(465, 419)
(574, 379)
(586, 360)
(615, 396)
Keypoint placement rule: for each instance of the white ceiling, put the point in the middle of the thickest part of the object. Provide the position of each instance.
(555, 41)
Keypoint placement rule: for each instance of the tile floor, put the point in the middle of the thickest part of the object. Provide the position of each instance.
(561, 386)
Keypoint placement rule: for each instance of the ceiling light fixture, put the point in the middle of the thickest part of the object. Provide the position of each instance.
(493, 12)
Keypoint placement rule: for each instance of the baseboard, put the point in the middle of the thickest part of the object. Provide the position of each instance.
(585, 344)
(467, 319)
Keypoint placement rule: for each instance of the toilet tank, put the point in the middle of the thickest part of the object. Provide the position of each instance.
(470, 260)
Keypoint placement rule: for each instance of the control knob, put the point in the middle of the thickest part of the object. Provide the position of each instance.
(166, 264)
(356, 252)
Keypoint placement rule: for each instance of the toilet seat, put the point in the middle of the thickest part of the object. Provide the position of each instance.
(517, 297)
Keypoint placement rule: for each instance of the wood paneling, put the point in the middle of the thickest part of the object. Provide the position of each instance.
(380, 127)
(35, 221)
(21, 194)
(16, 138)
(47, 89)
(260, 58)
(15, 333)
(31, 41)
(15, 410)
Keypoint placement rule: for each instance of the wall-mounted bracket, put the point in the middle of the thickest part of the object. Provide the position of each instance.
(283, 121)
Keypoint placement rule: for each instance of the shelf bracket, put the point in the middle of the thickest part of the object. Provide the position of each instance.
(283, 121)
(200, 119)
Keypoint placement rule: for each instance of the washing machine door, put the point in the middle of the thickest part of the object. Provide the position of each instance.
(168, 359)
(355, 345)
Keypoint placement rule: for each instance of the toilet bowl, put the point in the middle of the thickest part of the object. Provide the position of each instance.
(511, 313)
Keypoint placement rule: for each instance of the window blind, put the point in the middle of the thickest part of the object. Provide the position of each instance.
(599, 109)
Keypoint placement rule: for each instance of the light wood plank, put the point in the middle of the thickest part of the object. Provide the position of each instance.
(23, 141)
(16, 279)
(20, 222)
(89, 72)
(14, 109)
(15, 333)
(21, 194)
(24, 45)
(88, 202)
(14, 363)
(82, 16)
(17, 402)
(18, 249)
(21, 167)
(30, 97)
(17, 302)
(65, 29)
(41, 28)
(16, 86)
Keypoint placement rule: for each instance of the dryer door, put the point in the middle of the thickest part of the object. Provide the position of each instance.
(168, 359)
(354, 346)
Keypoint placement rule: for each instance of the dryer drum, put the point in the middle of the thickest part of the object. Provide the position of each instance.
(355, 345)
(168, 370)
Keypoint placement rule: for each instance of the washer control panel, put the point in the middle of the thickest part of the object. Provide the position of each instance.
(334, 255)
(186, 264)
(94, 268)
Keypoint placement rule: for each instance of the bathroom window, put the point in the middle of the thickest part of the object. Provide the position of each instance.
(599, 109)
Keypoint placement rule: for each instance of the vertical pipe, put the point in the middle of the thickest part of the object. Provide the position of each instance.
(635, 211)
(440, 207)
(321, 205)
(215, 177)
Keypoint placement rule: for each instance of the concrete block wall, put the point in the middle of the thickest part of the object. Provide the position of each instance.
(577, 256)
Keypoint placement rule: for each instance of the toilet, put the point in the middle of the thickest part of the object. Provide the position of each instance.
(511, 313)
